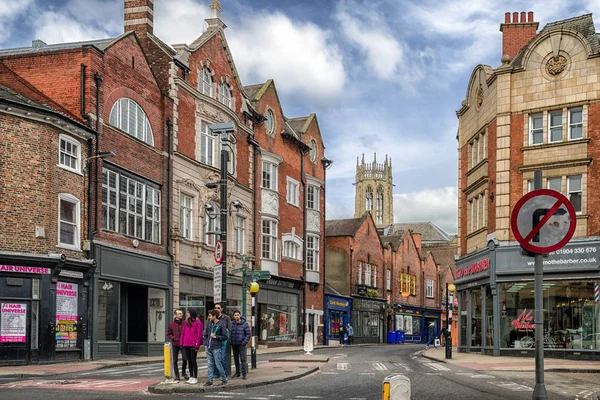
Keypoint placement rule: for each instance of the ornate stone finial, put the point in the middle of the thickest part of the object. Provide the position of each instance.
(357, 162)
(505, 59)
(556, 65)
(479, 96)
(216, 9)
(363, 159)
(374, 158)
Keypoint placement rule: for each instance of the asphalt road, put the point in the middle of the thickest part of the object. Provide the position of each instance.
(353, 373)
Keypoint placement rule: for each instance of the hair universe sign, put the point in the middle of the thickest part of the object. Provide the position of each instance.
(13, 322)
(24, 270)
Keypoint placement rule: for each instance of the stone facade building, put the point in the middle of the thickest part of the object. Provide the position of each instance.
(537, 111)
(374, 191)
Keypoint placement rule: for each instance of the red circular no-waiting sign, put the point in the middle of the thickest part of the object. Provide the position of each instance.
(543, 221)
(218, 252)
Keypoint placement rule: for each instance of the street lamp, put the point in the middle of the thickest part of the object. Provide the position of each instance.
(253, 290)
(449, 288)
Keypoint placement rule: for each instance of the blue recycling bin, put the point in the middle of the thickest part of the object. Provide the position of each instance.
(392, 337)
(399, 336)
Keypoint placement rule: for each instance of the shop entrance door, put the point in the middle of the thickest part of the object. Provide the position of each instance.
(15, 331)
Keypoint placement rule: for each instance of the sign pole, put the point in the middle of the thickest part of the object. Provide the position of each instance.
(539, 392)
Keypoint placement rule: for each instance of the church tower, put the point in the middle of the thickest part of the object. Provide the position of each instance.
(374, 191)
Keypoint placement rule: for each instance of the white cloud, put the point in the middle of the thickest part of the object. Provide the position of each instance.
(9, 11)
(54, 27)
(300, 56)
(439, 206)
(189, 16)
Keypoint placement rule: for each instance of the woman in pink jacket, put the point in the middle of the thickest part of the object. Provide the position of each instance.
(191, 340)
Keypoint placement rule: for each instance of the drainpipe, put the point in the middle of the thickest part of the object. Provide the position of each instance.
(255, 147)
(169, 188)
(303, 182)
(98, 79)
(82, 93)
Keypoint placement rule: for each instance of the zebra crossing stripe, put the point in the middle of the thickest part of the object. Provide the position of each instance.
(438, 367)
(377, 366)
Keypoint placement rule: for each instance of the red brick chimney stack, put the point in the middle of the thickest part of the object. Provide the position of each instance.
(139, 17)
(516, 33)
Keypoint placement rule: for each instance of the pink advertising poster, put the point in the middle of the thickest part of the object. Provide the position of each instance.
(13, 322)
(66, 314)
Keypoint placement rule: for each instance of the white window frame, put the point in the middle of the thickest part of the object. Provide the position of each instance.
(211, 225)
(368, 274)
(270, 121)
(531, 130)
(476, 205)
(483, 146)
(122, 122)
(388, 280)
(550, 126)
(529, 185)
(312, 253)
(269, 170)
(65, 154)
(110, 199)
(240, 233)
(68, 198)
(375, 276)
(360, 272)
(313, 150)
(472, 212)
(476, 147)
(555, 179)
(225, 96)
(571, 191)
(205, 86)
(207, 145)
(483, 210)
(312, 197)
(291, 250)
(186, 212)
(293, 192)
(578, 124)
(429, 289)
(269, 238)
(152, 230)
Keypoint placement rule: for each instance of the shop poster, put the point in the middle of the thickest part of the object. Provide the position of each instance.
(13, 322)
(408, 325)
(66, 314)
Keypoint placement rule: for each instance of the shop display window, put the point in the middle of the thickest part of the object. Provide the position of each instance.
(278, 323)
(489, 317)
(571, 317)
(366, 324)
(476, 317)
(108, 310)
(463, 317)
(157, 318)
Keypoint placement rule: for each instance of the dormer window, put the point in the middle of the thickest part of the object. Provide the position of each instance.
(205, 83)
(225, 94)
(128, 116)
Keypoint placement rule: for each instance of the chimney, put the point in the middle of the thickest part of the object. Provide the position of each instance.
(139, 17)
(517, 32)
(214, 22)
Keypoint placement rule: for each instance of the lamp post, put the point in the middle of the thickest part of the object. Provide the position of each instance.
(449, 288)
(253, 290)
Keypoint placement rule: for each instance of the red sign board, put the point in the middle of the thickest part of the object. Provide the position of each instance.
(474, 268)
(543, 221)
(218, 252)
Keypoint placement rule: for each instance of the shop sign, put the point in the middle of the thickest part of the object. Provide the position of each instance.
(71, 274)
(13, 322)
(66, 314)
(474, 268)
(25, 270)
(283, 284)
(524, 322)
(217, 283)
(338, 303)
(191, 303)
(367, 305)
(409, 312)
(361, 290)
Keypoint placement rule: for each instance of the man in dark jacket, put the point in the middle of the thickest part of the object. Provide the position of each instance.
(174, 333)
(240, 336)
(213, 341)
(227, 324)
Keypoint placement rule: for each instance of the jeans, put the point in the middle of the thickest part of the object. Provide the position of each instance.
(431, 340)
(239, 355)
(213, 356)
(175, 351)
(224, 358)
(190, 354)
(350, 339)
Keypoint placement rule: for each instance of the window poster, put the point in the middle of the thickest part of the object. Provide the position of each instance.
(13, 322)
(66, 314)
(399, 322)
(408, 325)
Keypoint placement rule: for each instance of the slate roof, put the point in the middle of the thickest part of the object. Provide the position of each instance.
(10, 95)
(252, 90)
(42, 47)
(394, 240)
(429, 231)
(297, 123)
(583, 24)
(342, 227)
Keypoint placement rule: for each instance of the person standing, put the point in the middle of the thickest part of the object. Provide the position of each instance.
(227, 324)
(350, 331)
(431, 334)
(342, 332)
(174, 333)
(240, 336)
(214, 347)
(191, 339)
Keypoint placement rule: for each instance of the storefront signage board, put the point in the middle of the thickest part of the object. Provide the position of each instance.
(25, 270)
(13, 322)
(217, 283)
(543, 221)
(66, 314)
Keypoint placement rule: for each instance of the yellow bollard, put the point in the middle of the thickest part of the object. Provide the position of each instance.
(167, 355)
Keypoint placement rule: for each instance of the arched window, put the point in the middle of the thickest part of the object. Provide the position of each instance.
(128, 116)
(270, 122)
(313, 150)
(205, 84)
(369, 199)
(379, 212)
(225, 94)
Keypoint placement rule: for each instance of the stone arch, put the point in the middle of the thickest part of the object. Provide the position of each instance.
(478, 80)
(560, 40)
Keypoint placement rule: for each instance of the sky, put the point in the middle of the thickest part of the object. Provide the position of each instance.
(383, 76)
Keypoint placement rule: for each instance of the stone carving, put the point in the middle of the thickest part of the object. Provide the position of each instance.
(556, 65)
(480, 96)
(313, 221)
(270, 202)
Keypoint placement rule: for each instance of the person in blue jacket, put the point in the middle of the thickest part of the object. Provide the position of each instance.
(240, 336)
(215, 334)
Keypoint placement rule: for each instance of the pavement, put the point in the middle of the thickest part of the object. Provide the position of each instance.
(480, 362)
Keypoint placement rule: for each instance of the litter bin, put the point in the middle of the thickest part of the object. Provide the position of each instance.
(399, 336)
(392, 338)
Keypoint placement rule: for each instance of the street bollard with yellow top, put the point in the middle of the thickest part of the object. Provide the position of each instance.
(396, 387)
(167, 356)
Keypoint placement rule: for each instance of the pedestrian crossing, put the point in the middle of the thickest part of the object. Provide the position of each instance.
(131, 371)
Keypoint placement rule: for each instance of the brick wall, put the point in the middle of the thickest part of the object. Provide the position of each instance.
(408, 260)
(593, 186)
(368, 249)
(516, 160)
(430, 271)
(491, 156)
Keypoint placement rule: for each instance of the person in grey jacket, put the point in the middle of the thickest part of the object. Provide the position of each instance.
(240, 336)
(213, 341)
(227, 324)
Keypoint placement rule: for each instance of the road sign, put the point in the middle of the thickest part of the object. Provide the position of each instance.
(543, 221)
(217, 282)
(259, 275)
(218, 252)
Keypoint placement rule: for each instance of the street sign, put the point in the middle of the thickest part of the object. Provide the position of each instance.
(218, 252)
(543, 221)
(259, 275)
(217, 282)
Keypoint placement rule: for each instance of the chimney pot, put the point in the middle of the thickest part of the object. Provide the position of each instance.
(515, 19)
(522, 16)
(516, 34)
(530, 16)
(507, 18)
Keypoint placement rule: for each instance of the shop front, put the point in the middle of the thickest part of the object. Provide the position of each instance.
(44, 308)
(496, 301)
(337, 313)
(368, 317)
(279, 317)
(132, 302)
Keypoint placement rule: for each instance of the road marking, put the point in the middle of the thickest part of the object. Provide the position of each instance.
(377, 366)
(404, 366)
(367, 373)
(216, 396)
(437, 367)
(330, 373)
(340, 356)
(433, 373)
(472, 375)
(512, 386)
(308, 397)
(342, 366)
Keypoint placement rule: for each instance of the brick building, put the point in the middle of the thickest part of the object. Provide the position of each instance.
(536, 111)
